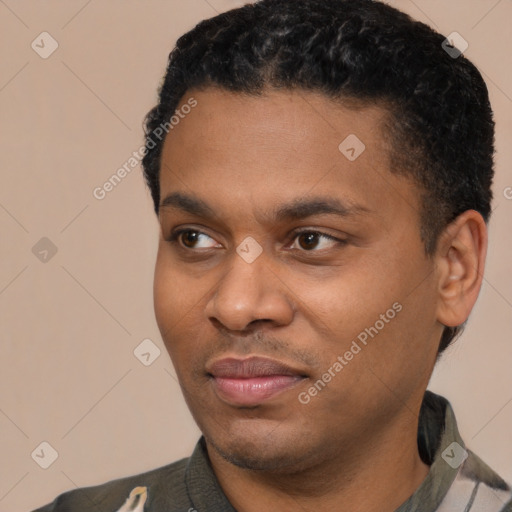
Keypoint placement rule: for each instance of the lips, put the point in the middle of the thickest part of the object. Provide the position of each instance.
(252, 381)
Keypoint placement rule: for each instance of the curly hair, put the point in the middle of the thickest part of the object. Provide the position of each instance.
(440, 126)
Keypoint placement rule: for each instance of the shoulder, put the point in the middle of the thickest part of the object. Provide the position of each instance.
(166, 490)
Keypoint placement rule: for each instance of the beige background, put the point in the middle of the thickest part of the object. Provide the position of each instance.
(68, 375)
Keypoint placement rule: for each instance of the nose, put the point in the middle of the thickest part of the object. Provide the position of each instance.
(250, 292)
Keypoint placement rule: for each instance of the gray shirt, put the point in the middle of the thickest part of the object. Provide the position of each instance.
(458, 479)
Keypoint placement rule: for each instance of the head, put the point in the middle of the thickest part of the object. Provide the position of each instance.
(280, 103)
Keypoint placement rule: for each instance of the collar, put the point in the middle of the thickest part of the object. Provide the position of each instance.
(437, 430)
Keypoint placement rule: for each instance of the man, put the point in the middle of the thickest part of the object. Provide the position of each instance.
(321, 173)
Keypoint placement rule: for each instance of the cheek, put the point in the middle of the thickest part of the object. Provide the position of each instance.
(164, 295)
(174, 293)
(347, 301)
(170, 296)
(179, 310)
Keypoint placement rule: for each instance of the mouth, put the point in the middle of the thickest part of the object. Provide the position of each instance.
(252, 381)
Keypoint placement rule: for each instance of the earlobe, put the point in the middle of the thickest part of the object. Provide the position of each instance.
(460, 261)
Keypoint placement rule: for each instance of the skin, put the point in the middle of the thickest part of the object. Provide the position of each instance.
(304, 300)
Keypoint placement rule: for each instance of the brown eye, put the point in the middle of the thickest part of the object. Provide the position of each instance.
(189, 237)
(308, 240)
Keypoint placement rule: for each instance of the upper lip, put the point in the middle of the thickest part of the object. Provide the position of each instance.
(234, 368)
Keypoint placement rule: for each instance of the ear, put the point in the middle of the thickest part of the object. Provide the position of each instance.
(460, 261)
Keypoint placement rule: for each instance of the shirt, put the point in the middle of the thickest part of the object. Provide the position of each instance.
(458, 480)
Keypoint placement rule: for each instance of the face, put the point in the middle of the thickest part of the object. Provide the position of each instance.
(296, 304)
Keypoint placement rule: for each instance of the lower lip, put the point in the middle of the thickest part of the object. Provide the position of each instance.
(253, 391)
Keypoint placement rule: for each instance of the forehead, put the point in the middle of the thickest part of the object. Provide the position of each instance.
(279, 146)
(285, 120)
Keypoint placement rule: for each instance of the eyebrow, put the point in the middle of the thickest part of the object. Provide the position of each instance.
(295, 210)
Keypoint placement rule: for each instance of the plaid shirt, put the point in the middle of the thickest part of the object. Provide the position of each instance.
(458, 480)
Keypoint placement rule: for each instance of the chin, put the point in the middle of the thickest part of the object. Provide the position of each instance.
(263, 452)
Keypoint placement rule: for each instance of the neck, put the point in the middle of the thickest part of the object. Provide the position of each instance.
(377, 475)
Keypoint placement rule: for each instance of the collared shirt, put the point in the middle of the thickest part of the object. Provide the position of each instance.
(458, 479)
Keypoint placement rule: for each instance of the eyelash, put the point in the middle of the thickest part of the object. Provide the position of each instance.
(173, 238)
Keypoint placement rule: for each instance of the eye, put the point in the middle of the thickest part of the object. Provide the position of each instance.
(191, 236)
(308, 239)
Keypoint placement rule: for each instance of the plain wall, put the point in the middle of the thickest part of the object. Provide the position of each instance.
(69, 326)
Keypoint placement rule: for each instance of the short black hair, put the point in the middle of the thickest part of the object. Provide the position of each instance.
(440, 125)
